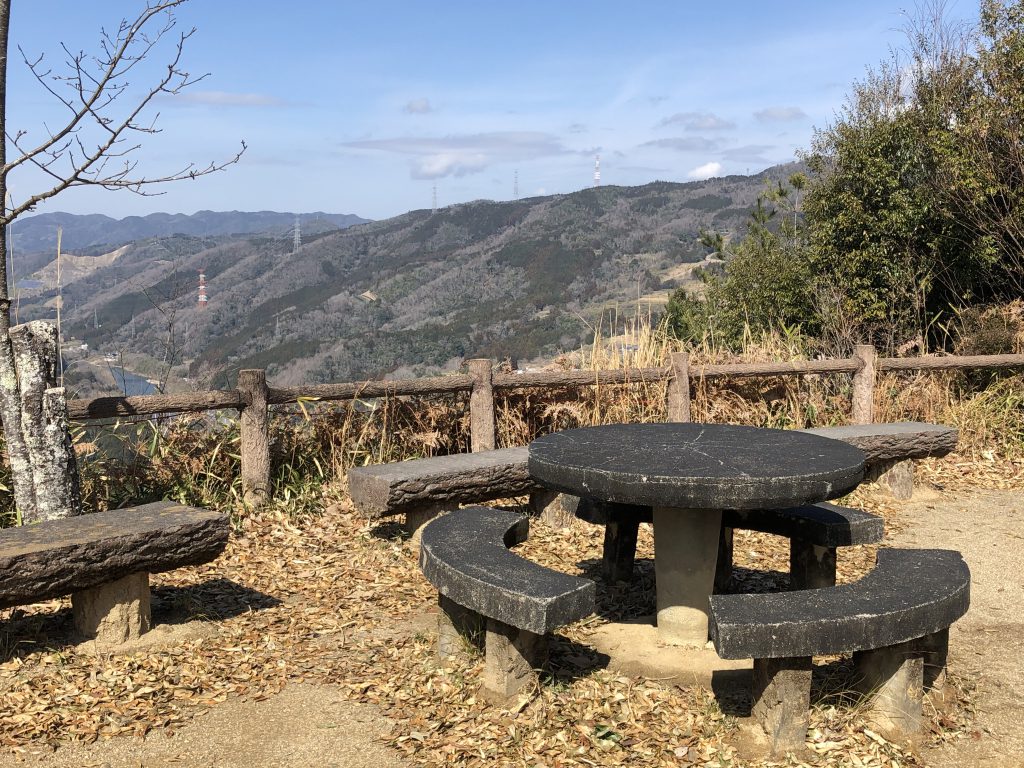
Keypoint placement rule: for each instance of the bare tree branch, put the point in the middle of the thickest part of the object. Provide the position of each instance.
(96, 83)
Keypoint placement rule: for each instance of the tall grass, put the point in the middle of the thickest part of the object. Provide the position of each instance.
(194, 459)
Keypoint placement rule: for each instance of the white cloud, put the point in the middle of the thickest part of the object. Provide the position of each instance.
(419, 106)
(780, 114)
(226, 99)
(698, 121)
(459, 155)
(705, 171)
(684, 144)
(448, 164)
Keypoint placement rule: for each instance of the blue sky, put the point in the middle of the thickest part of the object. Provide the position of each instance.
(363, 107)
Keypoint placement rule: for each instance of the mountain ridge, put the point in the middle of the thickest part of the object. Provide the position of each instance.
(415, 293)
(38, 233)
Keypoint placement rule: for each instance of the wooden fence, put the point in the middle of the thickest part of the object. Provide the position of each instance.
(253, 397)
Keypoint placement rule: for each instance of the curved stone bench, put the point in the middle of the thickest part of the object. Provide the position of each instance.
(895, 620)
(486, 589)
(103, 561)
(814, 531)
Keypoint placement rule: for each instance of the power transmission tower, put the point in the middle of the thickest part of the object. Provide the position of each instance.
(296, 236)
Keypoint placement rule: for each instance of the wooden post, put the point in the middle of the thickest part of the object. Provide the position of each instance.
(481, 406)
(864, 385)
(252, 384)
(679, 388)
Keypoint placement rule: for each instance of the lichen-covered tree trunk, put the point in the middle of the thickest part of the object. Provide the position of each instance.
(44, 423)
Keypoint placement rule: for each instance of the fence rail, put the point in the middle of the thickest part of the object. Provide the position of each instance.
(253, 397)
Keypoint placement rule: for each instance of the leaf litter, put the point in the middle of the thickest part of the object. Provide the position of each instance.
(336, 599)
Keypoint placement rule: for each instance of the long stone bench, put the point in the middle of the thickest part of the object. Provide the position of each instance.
(487, 592)
(891, 448)
(103, 561)
(420, 488)
(895, 621)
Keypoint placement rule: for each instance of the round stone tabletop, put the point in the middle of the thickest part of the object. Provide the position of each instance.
(696, 466)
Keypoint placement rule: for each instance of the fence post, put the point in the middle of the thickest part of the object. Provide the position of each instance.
(679, 387)
(864, 385)
(255, 436)
(481, 406)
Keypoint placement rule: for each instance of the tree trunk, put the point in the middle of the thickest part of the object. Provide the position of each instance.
(44, 423)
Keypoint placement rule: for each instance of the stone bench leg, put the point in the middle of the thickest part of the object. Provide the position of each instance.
(897, 477)
(893, 679)
(418, 516)
(459, 629)
(512, 658)
(811, 566)
(620, 532)
(934, 650)
(782, 701)
(723, 568)
(115, 612)
(556, 509)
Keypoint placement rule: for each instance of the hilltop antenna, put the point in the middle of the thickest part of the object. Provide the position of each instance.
(597, 171)
(296, 236)
(433, 208)
(202, 289)
(515, 185)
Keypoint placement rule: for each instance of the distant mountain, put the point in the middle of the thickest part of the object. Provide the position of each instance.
(39, 233)
(416, 292)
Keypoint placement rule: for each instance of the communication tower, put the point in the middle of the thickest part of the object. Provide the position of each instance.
(597, 171)
(202, 289)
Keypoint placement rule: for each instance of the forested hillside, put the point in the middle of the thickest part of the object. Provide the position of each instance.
(420, 290)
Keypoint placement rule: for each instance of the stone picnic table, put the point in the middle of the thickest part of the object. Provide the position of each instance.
(688, 474)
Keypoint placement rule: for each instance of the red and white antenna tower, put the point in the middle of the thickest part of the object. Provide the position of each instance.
(597, 171)
(202, 289)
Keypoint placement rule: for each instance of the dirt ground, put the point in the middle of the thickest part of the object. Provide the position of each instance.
(987, 645)
(304, 725)
(312, 723)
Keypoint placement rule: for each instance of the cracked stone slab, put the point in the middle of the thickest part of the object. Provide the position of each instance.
(696, 466)
(910, 593)
(58, 557)
(465, 555)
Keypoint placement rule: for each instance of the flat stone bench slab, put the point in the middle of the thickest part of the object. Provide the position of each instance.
(379, 490)
(896, 441)
(465, 555)
(822, 524)
(61, 557)
(909, 594)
